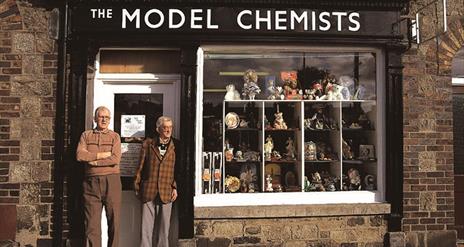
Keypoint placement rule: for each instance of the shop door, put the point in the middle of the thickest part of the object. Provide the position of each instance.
(135, 106)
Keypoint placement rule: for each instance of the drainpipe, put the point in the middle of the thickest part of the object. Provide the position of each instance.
(62, 82)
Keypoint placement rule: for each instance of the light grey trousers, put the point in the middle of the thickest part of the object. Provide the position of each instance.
(156, 219)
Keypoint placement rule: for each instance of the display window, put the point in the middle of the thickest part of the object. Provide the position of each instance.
(289, 125)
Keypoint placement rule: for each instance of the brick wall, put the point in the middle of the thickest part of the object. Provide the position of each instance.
(428, 126)
(27, 108)
(292, 225)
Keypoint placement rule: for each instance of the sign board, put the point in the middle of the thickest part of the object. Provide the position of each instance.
(232, 20)
(132, 125)
(130, 153)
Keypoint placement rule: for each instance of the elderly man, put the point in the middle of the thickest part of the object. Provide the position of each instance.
(155, 183)
(100, 150)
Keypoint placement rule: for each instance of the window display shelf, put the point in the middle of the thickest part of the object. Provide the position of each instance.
(334, 113)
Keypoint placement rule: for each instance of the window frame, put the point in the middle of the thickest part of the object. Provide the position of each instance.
(293, 198)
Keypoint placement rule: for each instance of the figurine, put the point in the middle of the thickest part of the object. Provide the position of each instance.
(250, 87)
(251, 156)
(229, 151)
(369, 182)
(267, 125)
(306, 184)
(346, 150)
(239, 156)
(279, 122)
(268, 146)
(278, 93)
(354, 179)
(349, 85)
(276, 155)
(270, 87)
(269, 183)
(316, 92)
(310, 151)
(290, 149)
(290, 83)
(231, 93)
(243, 123)
(317, 181)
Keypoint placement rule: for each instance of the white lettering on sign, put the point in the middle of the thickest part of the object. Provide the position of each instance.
(269, 20)
(298, 18)
(101, 13)
(239, 19)
(179, 13)
(160, 16)
(356, 23)
(126, 15)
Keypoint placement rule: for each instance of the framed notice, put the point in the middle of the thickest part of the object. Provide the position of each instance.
(132, 125)
(130, 153)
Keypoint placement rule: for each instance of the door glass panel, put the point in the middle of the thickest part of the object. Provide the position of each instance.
(134, 119)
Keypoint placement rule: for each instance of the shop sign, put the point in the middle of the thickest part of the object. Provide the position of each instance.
(228, 20)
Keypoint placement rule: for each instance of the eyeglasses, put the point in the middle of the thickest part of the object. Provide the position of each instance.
(166, 127)
(104, 117)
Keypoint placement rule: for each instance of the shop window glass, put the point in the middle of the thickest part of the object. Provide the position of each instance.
(292, 121)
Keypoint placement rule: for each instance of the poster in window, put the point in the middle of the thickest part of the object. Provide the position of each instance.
(130, 153)
(132, 125)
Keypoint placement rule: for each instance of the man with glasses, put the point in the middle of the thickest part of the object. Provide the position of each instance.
(100, 150)
(155, 183)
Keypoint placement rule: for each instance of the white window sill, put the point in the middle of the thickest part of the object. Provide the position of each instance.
(288, 198)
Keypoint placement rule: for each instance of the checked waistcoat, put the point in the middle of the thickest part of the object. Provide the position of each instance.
(156, 173)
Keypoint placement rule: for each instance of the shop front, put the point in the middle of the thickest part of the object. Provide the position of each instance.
(291, 114)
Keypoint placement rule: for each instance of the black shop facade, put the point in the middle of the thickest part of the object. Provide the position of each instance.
(290, 113)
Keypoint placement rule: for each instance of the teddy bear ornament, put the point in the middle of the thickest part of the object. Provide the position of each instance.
(231, 93)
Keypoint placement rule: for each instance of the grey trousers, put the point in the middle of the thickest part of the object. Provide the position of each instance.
(156, 219)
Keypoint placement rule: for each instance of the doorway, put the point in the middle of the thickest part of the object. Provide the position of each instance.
(135, 100)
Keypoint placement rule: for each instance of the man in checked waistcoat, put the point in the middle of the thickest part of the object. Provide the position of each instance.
(155, 183)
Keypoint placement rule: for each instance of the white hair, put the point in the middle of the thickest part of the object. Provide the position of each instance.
(161, 120)
(101, 108)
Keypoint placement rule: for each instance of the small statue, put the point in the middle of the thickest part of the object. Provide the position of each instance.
(270, 87)
(279, 122)
(317, 181)
(354, 179)
(348, 83)
(310, 151)
(250, 87)
(231, 93)
(290, 154)
(269, 183)
(290, 82)
(276, 155)
(268, 146)
(369, 182)
(315, 93)
(306, 184)
(346, 150)
(239, 156)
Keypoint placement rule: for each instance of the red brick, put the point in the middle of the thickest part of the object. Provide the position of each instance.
(436, 187)
(418, 228)
(435, 227)
(11, 71)
(435, 174)
(10, 100)
(9, 157)
(427, 221)
(12, 200)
